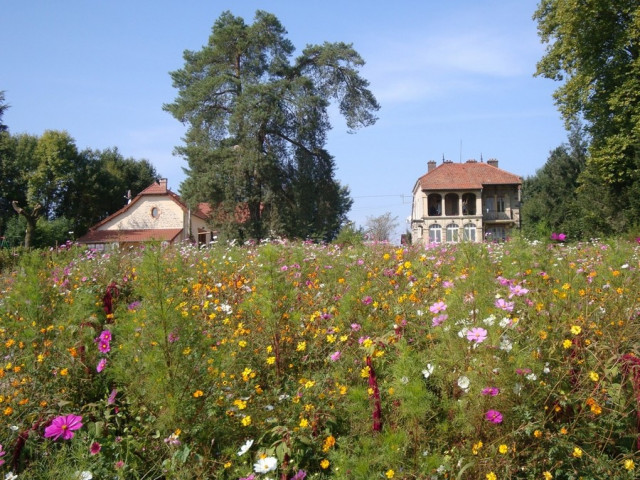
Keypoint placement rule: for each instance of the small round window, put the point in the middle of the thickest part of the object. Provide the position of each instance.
(155, 212)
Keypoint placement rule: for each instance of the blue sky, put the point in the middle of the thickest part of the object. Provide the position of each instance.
(454, 79)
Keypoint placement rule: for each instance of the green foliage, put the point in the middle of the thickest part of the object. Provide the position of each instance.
(551, 200)
(258, 121)
(592, 49)
(73, 189)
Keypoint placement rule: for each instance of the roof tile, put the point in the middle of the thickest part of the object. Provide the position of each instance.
(469, 175)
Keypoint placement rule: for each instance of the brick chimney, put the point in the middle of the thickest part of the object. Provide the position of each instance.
(163, 184)
(493, 162)
(431, 164)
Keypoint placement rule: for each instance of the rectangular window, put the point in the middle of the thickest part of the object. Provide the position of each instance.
(500, 204)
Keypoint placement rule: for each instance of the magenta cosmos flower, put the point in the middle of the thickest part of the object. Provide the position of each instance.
(494, 416)
(101, 364)
(63, 426)
(477, 334)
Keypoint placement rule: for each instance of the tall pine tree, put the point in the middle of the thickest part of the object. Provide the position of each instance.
(257, 123)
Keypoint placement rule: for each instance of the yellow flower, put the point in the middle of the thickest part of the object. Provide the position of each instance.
(304, 423)
(198, 393)
(227, 465)
(271, 360)
(476, 448)
(64, 372)
(577, 452)
(564, 431)
(547, 475)
(576, 329)
(542, 334)
(629, 465)
(503, 449)
(302, 346)
(491, 476)
(7, 411)
(246, 421)
(390, 473)
(567, 343)
(325, 464)
(537, 433)
(594, 376)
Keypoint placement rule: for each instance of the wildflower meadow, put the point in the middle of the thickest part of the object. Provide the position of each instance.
(518, 360)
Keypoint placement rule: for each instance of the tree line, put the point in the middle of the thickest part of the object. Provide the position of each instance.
(52, 192)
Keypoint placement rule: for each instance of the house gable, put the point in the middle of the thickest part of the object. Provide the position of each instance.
(156, 213)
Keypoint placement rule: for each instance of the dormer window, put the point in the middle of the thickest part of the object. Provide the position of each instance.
(155, 213)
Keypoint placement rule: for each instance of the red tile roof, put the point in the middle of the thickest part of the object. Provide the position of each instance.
(122, 236)
(469, 175)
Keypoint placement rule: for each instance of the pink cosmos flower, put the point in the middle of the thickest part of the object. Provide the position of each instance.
(63, 426)
(502, 305)
(517, 290)
(95, 448)
(477, 334)
(104, 347)
(439, 319)
(101, 364)
(355, 327)
(335, 356)
(494, 416)
(2, 453)
(438, 307)
(112, 397)
(492, 391)
(367, 300)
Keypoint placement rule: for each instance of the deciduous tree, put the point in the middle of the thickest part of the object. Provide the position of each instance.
(593, 48)
(257, 123)
(381, 228)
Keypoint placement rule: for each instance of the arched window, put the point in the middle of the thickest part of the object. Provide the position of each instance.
(435, 205)
(435, 234)
(469, 204)
(453, 233)
(451, 204)
(469, 233)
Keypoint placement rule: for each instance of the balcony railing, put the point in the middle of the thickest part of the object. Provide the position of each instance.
(495, 215)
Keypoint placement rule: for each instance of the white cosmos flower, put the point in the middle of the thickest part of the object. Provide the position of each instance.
(464, 382)
(245, 448)
(85, 475)
(532, 377)
(506, 345)
(404, 380)
(264, 465)
(427, 371)
(10, 476)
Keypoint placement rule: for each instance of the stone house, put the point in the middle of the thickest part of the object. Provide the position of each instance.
(468, 201)
(155, 214)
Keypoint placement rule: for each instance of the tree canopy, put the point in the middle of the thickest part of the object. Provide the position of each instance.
(257, 123)
(593, 48)
(55, 187)
(550, 198)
